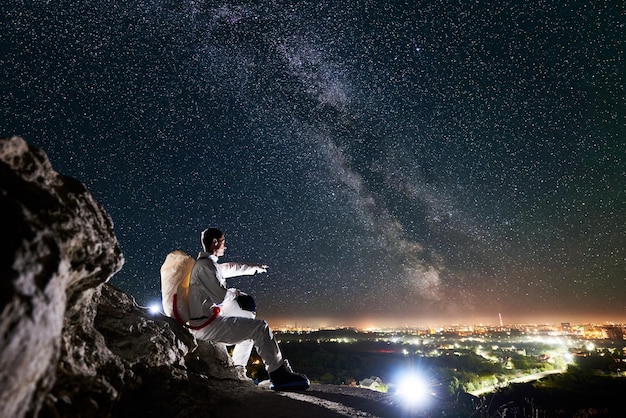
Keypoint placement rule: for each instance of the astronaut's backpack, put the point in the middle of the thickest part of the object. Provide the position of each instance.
(175, 274)
(175, 277)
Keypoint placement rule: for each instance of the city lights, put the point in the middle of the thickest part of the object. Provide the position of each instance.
(418, 365)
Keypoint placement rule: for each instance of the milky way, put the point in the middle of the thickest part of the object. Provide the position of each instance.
(413, 162)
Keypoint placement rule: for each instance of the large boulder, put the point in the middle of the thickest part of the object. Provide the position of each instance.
(118, 359)
(56, 242)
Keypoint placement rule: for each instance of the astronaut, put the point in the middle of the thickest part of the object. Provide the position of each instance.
(219, 309)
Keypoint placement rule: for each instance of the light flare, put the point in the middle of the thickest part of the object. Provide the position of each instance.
(414, 390)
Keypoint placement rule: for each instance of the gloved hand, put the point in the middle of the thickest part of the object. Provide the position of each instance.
(260, 268)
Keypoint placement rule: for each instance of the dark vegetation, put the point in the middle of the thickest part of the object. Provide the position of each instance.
(577, 393)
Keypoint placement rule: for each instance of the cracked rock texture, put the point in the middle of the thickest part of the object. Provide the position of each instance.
(56, 243)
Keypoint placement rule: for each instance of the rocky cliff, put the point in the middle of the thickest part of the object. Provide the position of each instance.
(71, 345)
(56, 243)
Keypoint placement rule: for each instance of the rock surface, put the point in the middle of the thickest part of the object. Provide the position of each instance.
(56, 242)
(127, 362)
(71, 345)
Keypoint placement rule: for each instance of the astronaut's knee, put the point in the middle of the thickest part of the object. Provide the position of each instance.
(262, 327)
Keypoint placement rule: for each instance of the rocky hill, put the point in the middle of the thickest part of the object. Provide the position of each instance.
(72, 345)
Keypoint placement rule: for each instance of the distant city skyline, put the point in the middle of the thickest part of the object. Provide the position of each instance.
(379, 323)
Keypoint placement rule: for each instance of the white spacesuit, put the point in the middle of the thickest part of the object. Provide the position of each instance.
(207, 288)
(230, 324)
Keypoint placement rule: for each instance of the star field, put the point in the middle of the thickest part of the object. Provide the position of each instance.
(389, 161)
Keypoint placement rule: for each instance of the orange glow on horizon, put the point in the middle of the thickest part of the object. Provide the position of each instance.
(373, 323)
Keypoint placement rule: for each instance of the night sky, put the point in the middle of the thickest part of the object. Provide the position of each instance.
(392, 162)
